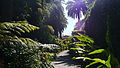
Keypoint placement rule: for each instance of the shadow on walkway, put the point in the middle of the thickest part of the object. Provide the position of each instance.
(64, 61)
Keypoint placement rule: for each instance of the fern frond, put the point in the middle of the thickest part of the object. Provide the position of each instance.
(24, 41)
(107, 63)
(96, 51)
(8, 31)
(96, 60)
(100, 66)
(78, 49)
(91, 64)
(19, 27)
(83, 38)
(4, 32)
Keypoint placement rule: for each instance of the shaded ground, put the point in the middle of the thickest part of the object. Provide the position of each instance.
(64, 60)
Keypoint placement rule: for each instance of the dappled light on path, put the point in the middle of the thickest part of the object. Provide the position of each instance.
(64, 60)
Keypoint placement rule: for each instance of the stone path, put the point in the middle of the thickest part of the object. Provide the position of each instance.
(64, 60)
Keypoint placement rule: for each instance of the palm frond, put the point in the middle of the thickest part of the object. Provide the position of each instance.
(75, 8)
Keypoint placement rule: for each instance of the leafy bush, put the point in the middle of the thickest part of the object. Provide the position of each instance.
(19, 52)
(44, 34)
(82, 47)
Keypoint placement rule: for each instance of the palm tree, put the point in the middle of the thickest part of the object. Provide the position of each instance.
(75, 8)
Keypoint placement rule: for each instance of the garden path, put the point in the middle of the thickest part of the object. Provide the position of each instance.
(64, 60)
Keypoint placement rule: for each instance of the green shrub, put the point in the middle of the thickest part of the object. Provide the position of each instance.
(82, 47)
(17, 51)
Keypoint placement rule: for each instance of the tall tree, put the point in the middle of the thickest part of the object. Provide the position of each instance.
(75, 8)
(57, 18)
(36, 12)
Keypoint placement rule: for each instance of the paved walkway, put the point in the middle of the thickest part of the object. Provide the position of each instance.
(64, 60)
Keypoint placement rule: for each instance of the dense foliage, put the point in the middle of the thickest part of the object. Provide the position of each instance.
(17, 50)
(76, 8)
(82, 48)
(25, 24)
(39, 13)
(103, 24)
(101, 27)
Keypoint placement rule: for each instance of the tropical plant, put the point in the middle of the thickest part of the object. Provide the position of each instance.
(35, 12)
(101, 26)
(102, 63)
(17, 51)
(57, 18)
(76, 8)
(47, 13)
(82, 47)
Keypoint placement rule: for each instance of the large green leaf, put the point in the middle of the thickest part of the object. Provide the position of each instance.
(78, 49)
(107, 63)
(90, 64)
(87, 58)
(80, 44)
(100, 66)
(83, 38)
(96, 51)
(84, 58)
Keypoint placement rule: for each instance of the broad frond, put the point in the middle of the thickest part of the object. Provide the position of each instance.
(19, 27)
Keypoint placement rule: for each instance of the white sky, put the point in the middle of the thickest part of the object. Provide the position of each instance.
(71, 21)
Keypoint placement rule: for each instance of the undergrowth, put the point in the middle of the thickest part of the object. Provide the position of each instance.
(83, 48)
